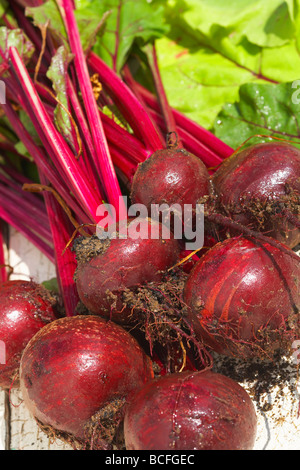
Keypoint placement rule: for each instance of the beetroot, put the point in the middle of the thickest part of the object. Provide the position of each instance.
(107, 267)
(260, 187)
(244, 298)
(76, 375)
(26, 307)
(191, 411)
(254, 192)
(170, 176)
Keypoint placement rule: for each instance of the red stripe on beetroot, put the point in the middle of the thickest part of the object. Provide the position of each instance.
(244, 299)
(26, 307)
(191, 411)
(76, 375)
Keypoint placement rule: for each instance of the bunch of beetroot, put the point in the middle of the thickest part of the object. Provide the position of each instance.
(128, 364)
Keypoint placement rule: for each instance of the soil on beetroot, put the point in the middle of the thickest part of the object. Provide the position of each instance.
(158, 315)
(267, 382)
(35, 294)
(251, 189)
(88, 248)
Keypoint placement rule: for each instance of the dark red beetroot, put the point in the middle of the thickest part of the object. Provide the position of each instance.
(77, 373)
(26, 307)
(106, 268)
(170, 176)
(254, 190)
(244, 298)
(260, 187)
(191, 411)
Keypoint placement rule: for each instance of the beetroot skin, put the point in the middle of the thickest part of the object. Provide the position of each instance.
(244, 298)
(260, 187)
(76, 375)
(26, 307)
(191, 411)
(106, 268)
(170, 176)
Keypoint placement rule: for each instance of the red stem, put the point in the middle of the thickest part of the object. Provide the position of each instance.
(53, 141)
(130, 107)
(125, 141)
(200, 133)
(103, 160)
(42, 162)
(191, 144)
(123, 163)
(3, 261)
(9, 217)
(27, 210)
(83, 127)
(62, 230)
(161, 93)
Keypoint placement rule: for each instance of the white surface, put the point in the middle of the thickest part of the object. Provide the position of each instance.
(278, 428)
(27, 261)
(2, 423)
(277, 408)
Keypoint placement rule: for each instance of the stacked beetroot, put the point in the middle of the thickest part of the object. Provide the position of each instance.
(129, 365)
(241, 299)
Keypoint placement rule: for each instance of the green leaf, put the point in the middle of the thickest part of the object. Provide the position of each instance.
(89, 22)
(3, 6)
(197, 80)
(213, 47)
(111, 26)
(57, 74)
(15, 38)
(51, 285)
(269, 110)
(130, 21)
(48, 14)
(5, 9)
(266, 23)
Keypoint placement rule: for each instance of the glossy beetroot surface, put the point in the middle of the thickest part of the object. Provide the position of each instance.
(170, 176)
(244, 298)
(77, 373)
(106, 268)
(191, 411)
(26, 307)
(254, 185)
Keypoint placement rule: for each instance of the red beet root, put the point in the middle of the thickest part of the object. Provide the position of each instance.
(260, 187)
(191, 411)
(256, 190)
(77, 373)
(170, 176)
(244, 298)
(26, 307)
(106, 268)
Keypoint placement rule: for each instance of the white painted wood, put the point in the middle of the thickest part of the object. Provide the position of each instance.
(2, 422)
(27, 261)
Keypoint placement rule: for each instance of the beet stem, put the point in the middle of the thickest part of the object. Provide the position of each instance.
(161, 93)
(139, 120)
(103, 161)
(230, 224)
(203, 135)
(53, 140)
